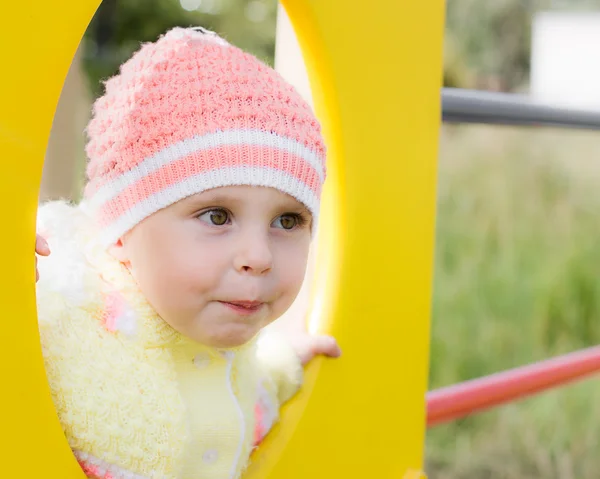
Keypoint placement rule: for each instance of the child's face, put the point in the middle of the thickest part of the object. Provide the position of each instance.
(222, 264)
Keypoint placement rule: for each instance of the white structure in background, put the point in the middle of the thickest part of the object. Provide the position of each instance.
(565, 59)
(288, 56)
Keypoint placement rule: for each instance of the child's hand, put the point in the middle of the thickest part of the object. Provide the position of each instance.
(306, 345)
(41, 248)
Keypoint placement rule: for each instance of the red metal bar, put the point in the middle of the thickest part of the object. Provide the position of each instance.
(464, 399)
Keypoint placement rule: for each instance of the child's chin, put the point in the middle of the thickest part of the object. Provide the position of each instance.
(228, 341)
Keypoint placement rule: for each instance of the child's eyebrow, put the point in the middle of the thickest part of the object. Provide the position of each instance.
(305, 210)
(215, 198)
(290, 206)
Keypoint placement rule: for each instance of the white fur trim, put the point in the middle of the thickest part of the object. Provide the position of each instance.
(280, 362)
(64, 272)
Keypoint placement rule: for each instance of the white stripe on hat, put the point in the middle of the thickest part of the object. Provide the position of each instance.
(239, 175)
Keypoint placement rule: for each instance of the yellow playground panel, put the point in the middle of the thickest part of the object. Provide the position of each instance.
(375, 71)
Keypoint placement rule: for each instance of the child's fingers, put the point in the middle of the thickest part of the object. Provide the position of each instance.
(41, 246)
(326, 346)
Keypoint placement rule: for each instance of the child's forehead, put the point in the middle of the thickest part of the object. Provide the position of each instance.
(242, 194)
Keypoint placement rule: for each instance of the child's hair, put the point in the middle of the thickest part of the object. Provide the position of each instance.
(191, 112)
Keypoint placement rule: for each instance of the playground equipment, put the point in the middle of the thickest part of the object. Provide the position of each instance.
(468, 106)
(460, 400)
(376, 72)
(364, 415)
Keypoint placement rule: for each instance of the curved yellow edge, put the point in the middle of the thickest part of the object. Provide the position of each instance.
(375, 73)
(38, 40)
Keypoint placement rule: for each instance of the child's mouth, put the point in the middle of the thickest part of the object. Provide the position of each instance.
(243, 307)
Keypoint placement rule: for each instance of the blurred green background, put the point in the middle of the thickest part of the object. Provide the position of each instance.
(518, 228)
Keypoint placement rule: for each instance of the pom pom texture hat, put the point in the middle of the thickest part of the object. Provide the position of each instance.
(189, 113)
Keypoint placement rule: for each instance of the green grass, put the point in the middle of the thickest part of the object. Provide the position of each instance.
(517, 280)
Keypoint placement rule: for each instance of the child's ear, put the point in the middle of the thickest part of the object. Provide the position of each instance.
(118, 251)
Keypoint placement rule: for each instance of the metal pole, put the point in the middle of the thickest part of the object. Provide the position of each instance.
(471, 106)
(463, 399)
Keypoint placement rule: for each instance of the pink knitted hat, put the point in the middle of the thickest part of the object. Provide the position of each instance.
(191, 112)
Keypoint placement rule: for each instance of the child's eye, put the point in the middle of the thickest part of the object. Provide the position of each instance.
(217, 217)
(289, 221)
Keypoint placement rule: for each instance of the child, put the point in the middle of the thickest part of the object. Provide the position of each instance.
(203, 191)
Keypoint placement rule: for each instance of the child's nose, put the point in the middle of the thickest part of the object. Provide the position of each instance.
(254, 256)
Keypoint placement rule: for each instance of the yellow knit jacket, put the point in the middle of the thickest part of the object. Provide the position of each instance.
(136, 399)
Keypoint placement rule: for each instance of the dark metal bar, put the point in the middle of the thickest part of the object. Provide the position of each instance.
(472, 106)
